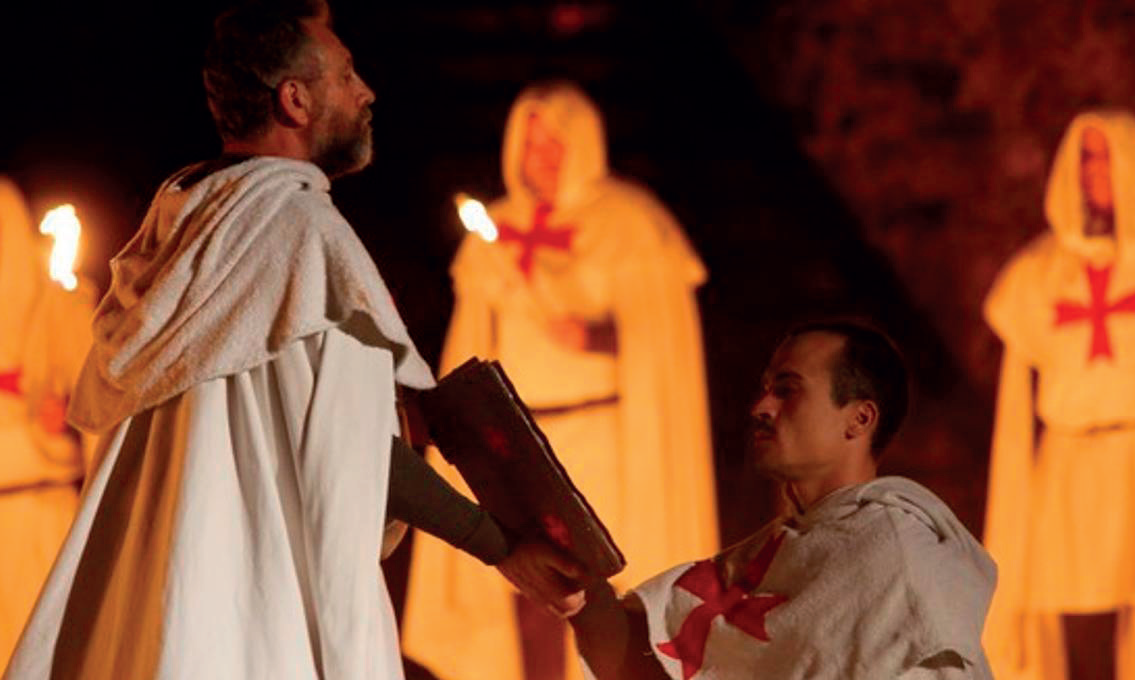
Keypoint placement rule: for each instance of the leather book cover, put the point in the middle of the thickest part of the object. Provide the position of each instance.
(482, 427)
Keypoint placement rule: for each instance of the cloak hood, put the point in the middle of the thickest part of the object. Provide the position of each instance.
(576, 122)
(23, 271)
(224, 272)
(1064, 204)
(957, 577)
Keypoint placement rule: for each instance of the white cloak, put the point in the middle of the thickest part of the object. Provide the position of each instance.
(870, 583)
(1061, 497)
(243, 383)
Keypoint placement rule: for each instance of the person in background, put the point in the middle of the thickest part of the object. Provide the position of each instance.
(1059, 519)
(44, 336)
(587, 299)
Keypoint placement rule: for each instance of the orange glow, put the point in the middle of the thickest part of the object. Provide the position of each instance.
(475, 218)
(62, 225)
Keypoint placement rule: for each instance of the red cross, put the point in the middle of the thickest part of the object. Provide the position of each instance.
(1097, 311)
(498, 442)
(541, 235)
(10, 382)
(52, 412)
(557, 531)
(744, 611)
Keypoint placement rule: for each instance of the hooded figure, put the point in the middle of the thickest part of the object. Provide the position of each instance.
(44, 335)
(624, 407)
(1061, 499)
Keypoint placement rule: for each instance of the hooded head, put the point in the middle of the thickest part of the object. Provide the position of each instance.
(22, 265)
(44, 331)
(1094, 163)
(567, 116)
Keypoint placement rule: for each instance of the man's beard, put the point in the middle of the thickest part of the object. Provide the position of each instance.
(347, 145)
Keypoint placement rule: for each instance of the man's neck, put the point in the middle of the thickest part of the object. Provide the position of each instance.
(277, 141)
(1099, 223)
(806, 492)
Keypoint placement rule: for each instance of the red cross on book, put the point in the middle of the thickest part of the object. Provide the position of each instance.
(1097, 311)
(483, 428)
(739, 608)
(541, 235)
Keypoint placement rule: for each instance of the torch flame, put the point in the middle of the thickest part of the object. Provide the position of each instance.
(475, 218)
(62, 225)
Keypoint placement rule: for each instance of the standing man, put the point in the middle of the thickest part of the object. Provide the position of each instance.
(243, 384)
(864, 578)
(587, 300)
(44, 335)
(1061, 500)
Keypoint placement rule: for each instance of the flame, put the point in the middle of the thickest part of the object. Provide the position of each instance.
(62, 225)
(475, 218)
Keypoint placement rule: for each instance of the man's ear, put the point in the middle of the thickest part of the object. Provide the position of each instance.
(295, 103)
(864, 417)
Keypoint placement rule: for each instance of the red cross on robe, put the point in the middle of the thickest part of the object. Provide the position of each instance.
(739, 608)
(1097, 311)
(541, 235)
(52, 413)
(10, 382)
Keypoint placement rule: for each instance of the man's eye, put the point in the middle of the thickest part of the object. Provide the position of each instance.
(782, 390)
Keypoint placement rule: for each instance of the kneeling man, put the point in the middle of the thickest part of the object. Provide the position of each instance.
(865, 578)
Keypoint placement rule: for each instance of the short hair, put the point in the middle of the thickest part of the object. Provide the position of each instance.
(869, 367)
(255, 46)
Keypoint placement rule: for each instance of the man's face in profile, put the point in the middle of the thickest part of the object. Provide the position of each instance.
(342, 138)
(796, 429)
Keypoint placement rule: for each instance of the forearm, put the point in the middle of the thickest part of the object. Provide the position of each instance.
(421, 498)
(613, 638)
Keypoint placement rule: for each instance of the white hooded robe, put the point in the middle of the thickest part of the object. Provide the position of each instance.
(44, 335)
(633, 431)
(1059, 517)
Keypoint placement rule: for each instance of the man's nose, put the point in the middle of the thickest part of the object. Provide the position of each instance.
(367, 93)
(764, 407)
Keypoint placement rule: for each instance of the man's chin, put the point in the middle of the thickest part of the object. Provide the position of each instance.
(764, 460)
(338, 167)
(362, 162)
(768, 468)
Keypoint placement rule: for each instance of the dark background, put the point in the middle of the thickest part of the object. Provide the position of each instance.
(877, 156)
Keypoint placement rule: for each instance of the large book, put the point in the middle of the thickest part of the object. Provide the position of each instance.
(482, 427)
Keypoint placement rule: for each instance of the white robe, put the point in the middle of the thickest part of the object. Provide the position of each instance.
(243, 382)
